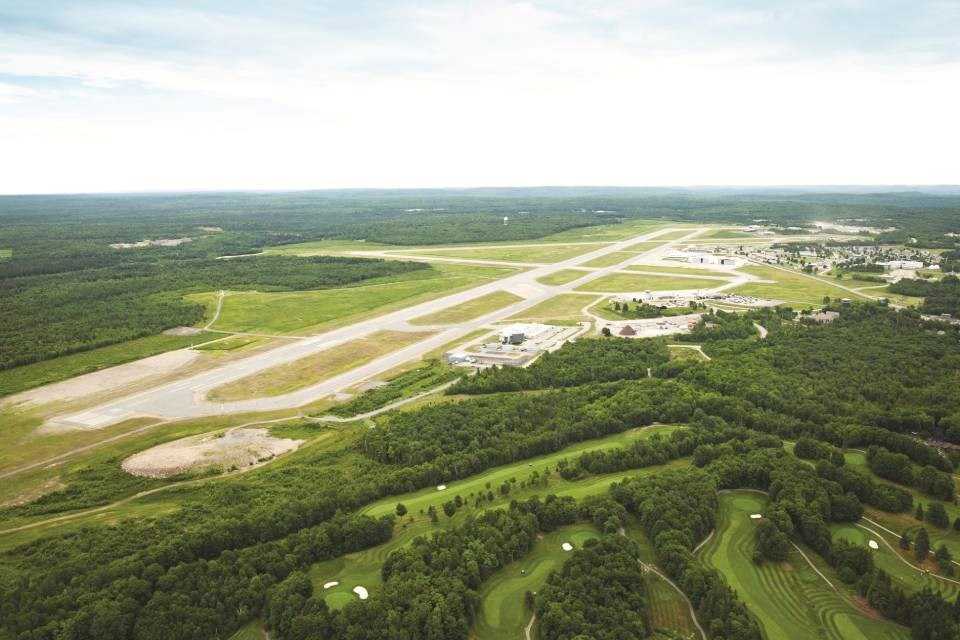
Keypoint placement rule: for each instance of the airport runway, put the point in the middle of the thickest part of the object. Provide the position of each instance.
(186, 398)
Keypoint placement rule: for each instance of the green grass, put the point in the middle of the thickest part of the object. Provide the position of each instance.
(314, 311)
(681, 267)
(41, 373)
(470, 309)
(614, 258)
(251, 631)
(790, 287)
(896, 298)
(363, 567)
(564, 307)
(328, 248)
(884, 558)
(625, 282)
(503, 614)
(545, 254)
(6, 253)
(562, 277)
(676, 235)
(789, 599)
(320, 366)
(231, 344)
(521, 470)
(728, 233)
(900, 522)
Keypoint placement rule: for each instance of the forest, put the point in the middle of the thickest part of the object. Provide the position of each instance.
(48, 315)
(941, 296)
(237, 549)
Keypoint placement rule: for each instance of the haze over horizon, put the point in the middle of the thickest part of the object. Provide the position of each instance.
(183, 96)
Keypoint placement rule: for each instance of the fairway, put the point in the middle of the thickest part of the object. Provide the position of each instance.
(6, 253)
(533, 254)
(566, 307)
(789, 599)
(363, 567)
(884, 558)
(425, 497)
(789, 286)
(292, 311)
(625, 282)
(470, 309)
(562, 277)
(316, 368)
(503, 613)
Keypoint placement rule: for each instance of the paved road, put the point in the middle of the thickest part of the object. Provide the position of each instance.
(187, 398)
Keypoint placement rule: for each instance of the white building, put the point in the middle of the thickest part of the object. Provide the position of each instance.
(893, 265)
(525, 331)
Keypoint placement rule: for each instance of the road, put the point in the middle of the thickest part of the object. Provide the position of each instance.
(187, 398)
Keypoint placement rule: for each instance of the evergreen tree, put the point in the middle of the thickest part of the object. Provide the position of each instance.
(922, 545)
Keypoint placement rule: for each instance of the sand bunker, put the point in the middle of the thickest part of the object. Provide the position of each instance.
(330, 585)
(873, 544)
(361, 592)
(755, 516)
(566, 546)
(441, 487)
(241, 447)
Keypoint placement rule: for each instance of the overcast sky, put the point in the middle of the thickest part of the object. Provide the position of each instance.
(291, 94)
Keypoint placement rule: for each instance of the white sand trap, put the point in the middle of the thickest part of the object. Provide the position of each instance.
(441, 487)
(330, 585)
(566, 546)
(755, 516)
(873, 544)
(241, 447)
(361, 592)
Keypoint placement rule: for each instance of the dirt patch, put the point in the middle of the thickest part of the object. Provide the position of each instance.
(49, 486)
(865, 606)
(107, 379)
(235, 448)
(183, 331)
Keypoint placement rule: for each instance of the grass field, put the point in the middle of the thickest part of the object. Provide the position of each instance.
(470, 309)
(896, 298)
(6, 253)
(538, 254)
(562, 277)
(728, 233)
(313, 369)
(565, 308)
(41, 373)
(614, 258)
(620, 282)
(681, 268)
(790, 287)
(328, 248)
(789, 599)
(503, 614)
(314, 311)
(232, 344)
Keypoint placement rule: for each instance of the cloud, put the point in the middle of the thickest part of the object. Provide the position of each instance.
(287, 94)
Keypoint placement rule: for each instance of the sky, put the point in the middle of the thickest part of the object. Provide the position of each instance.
(296, 94)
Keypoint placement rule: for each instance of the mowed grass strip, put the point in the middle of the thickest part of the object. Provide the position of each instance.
(290, 312)
(614, 258)
(680, 267)
(316, 368)
(470, 309)
(503, 613)
(626, 282)
(6, 253)
(789, 286)
(562, 277)
(563, 309)
(531, 254)
(789, 599)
